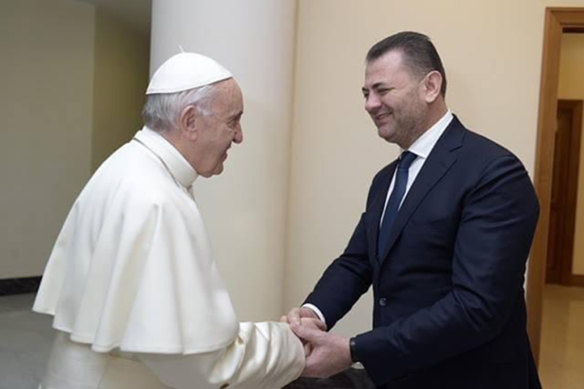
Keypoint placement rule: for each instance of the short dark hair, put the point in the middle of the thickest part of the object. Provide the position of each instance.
(419, 54)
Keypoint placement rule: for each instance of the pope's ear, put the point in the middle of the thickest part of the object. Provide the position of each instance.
(187, 122)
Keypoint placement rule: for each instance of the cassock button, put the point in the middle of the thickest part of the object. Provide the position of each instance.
(383, 301)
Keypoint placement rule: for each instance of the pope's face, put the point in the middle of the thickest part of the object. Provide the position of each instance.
(393, 99)
(219, 128)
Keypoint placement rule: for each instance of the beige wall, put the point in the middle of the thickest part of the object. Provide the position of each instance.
(120, 79)
(45, 124)
(491, 50)
(73, 79)
(492, 54)
(571, 86)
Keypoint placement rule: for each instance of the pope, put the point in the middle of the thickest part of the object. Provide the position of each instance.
(136, 296)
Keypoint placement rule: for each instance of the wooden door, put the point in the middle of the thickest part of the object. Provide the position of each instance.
(556, 20)
(564, 193)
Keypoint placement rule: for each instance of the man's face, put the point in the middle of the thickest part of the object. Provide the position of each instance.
(393, 99)
(219, 128)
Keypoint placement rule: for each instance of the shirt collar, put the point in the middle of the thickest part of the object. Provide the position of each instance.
(425, 143)
(174, 161)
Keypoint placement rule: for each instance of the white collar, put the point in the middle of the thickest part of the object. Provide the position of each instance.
(174, 161)
(426, 142)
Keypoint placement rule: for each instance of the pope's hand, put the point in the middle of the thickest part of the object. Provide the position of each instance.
(329, 354)
(307, 317)
(296, 314)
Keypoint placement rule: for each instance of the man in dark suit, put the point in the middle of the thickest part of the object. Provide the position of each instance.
(443, 240)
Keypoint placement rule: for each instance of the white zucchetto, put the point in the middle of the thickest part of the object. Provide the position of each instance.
(186, 71)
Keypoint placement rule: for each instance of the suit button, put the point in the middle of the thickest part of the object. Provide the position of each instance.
(383, 301)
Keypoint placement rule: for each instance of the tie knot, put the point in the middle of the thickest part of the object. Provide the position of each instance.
(406, 159)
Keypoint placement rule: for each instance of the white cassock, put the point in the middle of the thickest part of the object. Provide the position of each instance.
(136, 296)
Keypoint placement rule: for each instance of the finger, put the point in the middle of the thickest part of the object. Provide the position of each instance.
(284, 319)
(307, 371)
(307, 333)
(317, 323)
(294, 316)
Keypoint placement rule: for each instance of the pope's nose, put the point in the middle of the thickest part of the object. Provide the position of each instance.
(238, 137)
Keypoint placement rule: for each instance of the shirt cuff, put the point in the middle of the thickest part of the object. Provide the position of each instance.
(315, 310)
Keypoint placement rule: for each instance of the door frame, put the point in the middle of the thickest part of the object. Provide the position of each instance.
(556, 19)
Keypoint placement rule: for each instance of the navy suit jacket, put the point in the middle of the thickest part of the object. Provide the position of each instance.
(449, 301)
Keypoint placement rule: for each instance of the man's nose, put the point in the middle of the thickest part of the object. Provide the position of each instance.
(372, 103)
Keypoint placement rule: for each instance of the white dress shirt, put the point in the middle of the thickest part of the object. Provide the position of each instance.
(422, 148)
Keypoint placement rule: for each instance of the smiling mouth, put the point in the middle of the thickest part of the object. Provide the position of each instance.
(381, 117)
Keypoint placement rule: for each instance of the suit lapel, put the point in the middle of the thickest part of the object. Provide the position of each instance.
(440, 160)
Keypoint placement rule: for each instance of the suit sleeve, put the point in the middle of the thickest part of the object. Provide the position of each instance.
(491, 247)
(264, 355)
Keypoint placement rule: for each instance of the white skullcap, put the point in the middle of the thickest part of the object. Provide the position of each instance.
(186, 71)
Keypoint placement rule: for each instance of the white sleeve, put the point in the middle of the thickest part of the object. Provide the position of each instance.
(315, 309)
(263, 355)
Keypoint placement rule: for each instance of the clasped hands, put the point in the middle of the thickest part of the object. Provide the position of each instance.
(326, 353)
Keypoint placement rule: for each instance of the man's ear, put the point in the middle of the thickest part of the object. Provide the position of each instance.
(432, 85)
(187, 122)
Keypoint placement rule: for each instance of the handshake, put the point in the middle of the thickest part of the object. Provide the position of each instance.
(326, 353)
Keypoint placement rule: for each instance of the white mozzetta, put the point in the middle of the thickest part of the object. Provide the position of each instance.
(132, 266)
(135, 292)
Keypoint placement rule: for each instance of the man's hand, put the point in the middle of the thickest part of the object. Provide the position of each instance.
(316, 324)
(329, 353)
(296, 314)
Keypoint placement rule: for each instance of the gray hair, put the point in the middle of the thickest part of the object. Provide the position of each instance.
(162, 110)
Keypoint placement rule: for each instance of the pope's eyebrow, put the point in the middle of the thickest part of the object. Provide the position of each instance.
(236, 116)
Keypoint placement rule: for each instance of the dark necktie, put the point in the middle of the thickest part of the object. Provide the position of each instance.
(399, 188)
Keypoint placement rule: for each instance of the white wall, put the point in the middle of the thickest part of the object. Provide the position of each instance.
(245, 207)
(492, 54)
(46, 74)
(571, 86)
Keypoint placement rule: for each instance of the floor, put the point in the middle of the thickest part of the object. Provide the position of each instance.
(25, 340)
(26, 337)
(561, 364)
